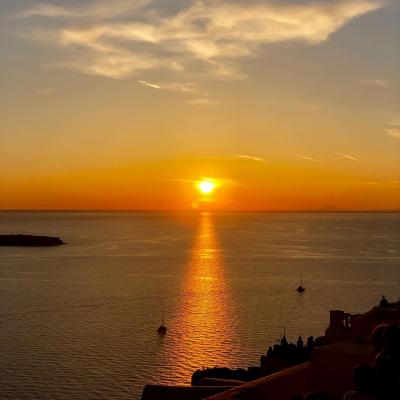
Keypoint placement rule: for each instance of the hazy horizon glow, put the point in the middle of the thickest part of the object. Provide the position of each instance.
(287, 105)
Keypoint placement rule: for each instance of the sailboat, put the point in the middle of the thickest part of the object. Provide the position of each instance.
(162, 329)
(301, 288)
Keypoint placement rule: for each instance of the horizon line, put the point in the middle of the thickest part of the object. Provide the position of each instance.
(377, 210)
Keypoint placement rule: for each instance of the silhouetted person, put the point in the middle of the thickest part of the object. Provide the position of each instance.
(387, 365)
(310, 342)
(300, 343)
(363, 376)
(378, 342)
(383, 302)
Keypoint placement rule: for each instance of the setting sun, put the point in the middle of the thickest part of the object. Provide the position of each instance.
(206, 186)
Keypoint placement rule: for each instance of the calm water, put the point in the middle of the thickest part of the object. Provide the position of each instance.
(79, 321)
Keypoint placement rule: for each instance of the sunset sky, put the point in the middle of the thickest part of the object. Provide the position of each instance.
(127, 105)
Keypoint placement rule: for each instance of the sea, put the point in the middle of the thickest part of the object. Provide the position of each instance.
(79, 321)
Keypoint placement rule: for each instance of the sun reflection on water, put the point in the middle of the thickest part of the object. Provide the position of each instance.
(201, 332)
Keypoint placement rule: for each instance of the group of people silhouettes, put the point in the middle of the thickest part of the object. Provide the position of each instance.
(380, 381)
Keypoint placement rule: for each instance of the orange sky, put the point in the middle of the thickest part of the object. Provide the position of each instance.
(242, 184)
(289, 105)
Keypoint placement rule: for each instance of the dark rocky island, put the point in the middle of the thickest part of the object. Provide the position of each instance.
(29, 240)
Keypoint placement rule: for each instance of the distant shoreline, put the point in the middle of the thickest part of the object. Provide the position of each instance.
(30, 241)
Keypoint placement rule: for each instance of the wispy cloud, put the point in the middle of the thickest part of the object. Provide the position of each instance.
(393, 132)
(217, 34)
(251, 158)
(46, 91)
(42, 10)
(393, 126)
(346, 156)
(116, 65)
(183, 87)
(149, 84)
(307, 158)
(204, 101)
(97, 8)
(375, 82)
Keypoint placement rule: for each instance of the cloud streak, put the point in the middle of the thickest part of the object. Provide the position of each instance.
(204, 101)
(393, 132)
(393, 127)
(149, 84)
(215, 34)
(382, 83)
(349, 157)
(183, 87)
(307, 158)
(250, 158)
(95, 9)
(46, 91)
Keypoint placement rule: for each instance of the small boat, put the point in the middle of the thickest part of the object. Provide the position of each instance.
(162, 329)
(301, 288)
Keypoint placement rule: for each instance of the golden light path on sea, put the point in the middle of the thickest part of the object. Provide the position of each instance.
(202, 332)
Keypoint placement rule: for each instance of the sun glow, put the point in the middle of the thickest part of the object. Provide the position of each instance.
(206, 186)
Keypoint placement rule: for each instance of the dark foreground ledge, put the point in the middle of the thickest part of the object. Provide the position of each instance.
(29, 240)
(161, 392)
